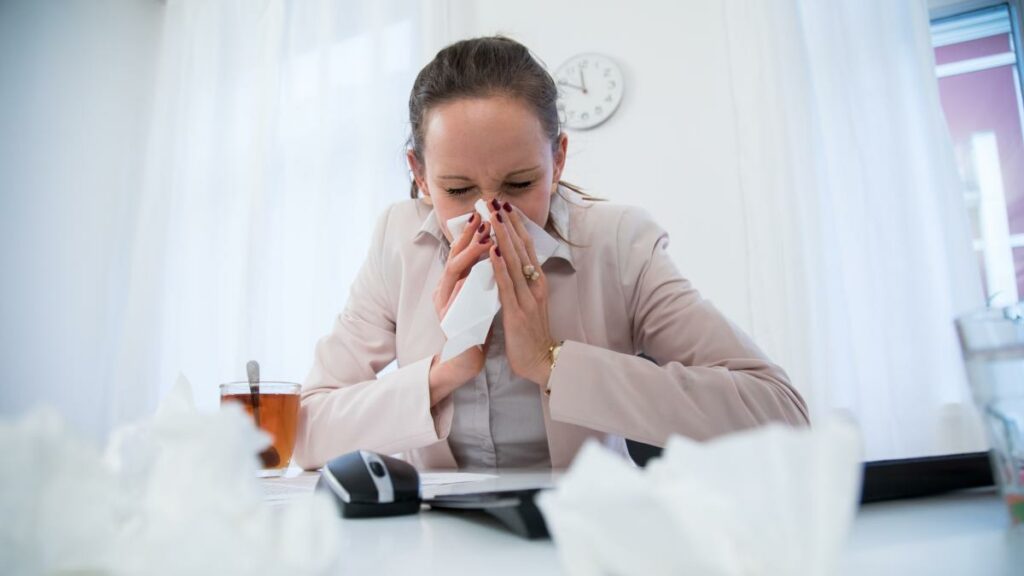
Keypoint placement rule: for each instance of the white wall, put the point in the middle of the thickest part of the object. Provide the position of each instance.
(666, 148)
(75, 85)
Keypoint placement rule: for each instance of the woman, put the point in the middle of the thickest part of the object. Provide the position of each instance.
(561, 362)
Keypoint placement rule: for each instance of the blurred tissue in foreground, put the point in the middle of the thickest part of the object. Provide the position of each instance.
(771, 501)
(177, 494)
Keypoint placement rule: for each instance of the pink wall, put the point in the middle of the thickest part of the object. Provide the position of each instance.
(973, 49)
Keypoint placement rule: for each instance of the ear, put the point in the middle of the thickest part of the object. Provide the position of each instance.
(418, 174)
(560, 154)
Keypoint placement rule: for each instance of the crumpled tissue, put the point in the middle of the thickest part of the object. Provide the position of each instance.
(770, 501)
(469, 317)
(173, 495)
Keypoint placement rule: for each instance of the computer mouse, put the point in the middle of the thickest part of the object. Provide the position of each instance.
(366, 484)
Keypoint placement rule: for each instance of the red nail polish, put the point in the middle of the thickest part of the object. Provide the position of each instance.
(496, 205)
(485, 239)
(472, 217)
(480, 229)
(498, 214)
(507, 207)
(497, 252)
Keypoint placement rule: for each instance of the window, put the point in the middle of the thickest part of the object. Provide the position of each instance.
(978, 63)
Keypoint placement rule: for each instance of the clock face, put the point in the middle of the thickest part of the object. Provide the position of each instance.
(589, 90)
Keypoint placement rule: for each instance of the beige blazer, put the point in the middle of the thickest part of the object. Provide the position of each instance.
(615, 295)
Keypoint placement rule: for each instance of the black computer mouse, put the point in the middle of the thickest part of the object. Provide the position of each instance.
(366, 484)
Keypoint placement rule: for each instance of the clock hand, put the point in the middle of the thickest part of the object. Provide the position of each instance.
(583, 82)
(563, 83)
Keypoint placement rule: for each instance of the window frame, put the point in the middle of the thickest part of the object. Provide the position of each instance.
(957, 9)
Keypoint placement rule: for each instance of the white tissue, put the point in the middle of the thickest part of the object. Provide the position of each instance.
(771, 501)
(56, 499)
(458, 224)
(174, 495)
(470, 315)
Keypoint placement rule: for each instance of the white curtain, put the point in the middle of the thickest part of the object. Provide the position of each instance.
(75, 83)
(278, 137)
(859, 251)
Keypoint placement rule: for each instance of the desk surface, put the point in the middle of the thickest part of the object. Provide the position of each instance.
(966, 533)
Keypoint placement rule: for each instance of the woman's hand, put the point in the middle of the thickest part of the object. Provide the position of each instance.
(524, 302)
(474, 241)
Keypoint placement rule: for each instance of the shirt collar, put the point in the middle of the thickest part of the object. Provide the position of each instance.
(559, 211)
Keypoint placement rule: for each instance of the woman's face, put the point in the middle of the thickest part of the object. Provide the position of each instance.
(487, 148)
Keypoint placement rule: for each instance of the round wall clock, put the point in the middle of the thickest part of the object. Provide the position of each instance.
(589, 90)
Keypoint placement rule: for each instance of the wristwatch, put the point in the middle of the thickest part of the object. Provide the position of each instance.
(553, 351)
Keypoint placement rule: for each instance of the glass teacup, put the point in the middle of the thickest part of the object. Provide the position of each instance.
(275, 410)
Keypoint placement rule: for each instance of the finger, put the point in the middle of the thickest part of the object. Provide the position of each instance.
(466, 236)
(508, 253)
(506, 289)
(480, 244)
(515, 234)
(538, 285)
(524, 235)
(458, 265)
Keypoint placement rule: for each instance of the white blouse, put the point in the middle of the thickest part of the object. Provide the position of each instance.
(498, 421)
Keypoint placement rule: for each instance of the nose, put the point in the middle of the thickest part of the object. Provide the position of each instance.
(490, 196)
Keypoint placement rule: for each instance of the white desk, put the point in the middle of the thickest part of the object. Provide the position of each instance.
(966, 533)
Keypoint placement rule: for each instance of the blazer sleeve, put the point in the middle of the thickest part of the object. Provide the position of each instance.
(344, 405)
(708, 377)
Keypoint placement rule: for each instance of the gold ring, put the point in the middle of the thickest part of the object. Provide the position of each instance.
(529, 271)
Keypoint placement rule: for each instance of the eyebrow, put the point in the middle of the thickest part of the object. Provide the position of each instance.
(513, 173)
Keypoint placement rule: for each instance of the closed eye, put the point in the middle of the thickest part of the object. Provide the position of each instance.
(521, 185)
(458, 191)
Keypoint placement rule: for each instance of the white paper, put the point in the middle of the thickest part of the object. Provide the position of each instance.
(445, 478)
(470, 315)
(288, 488)
(769, 501)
